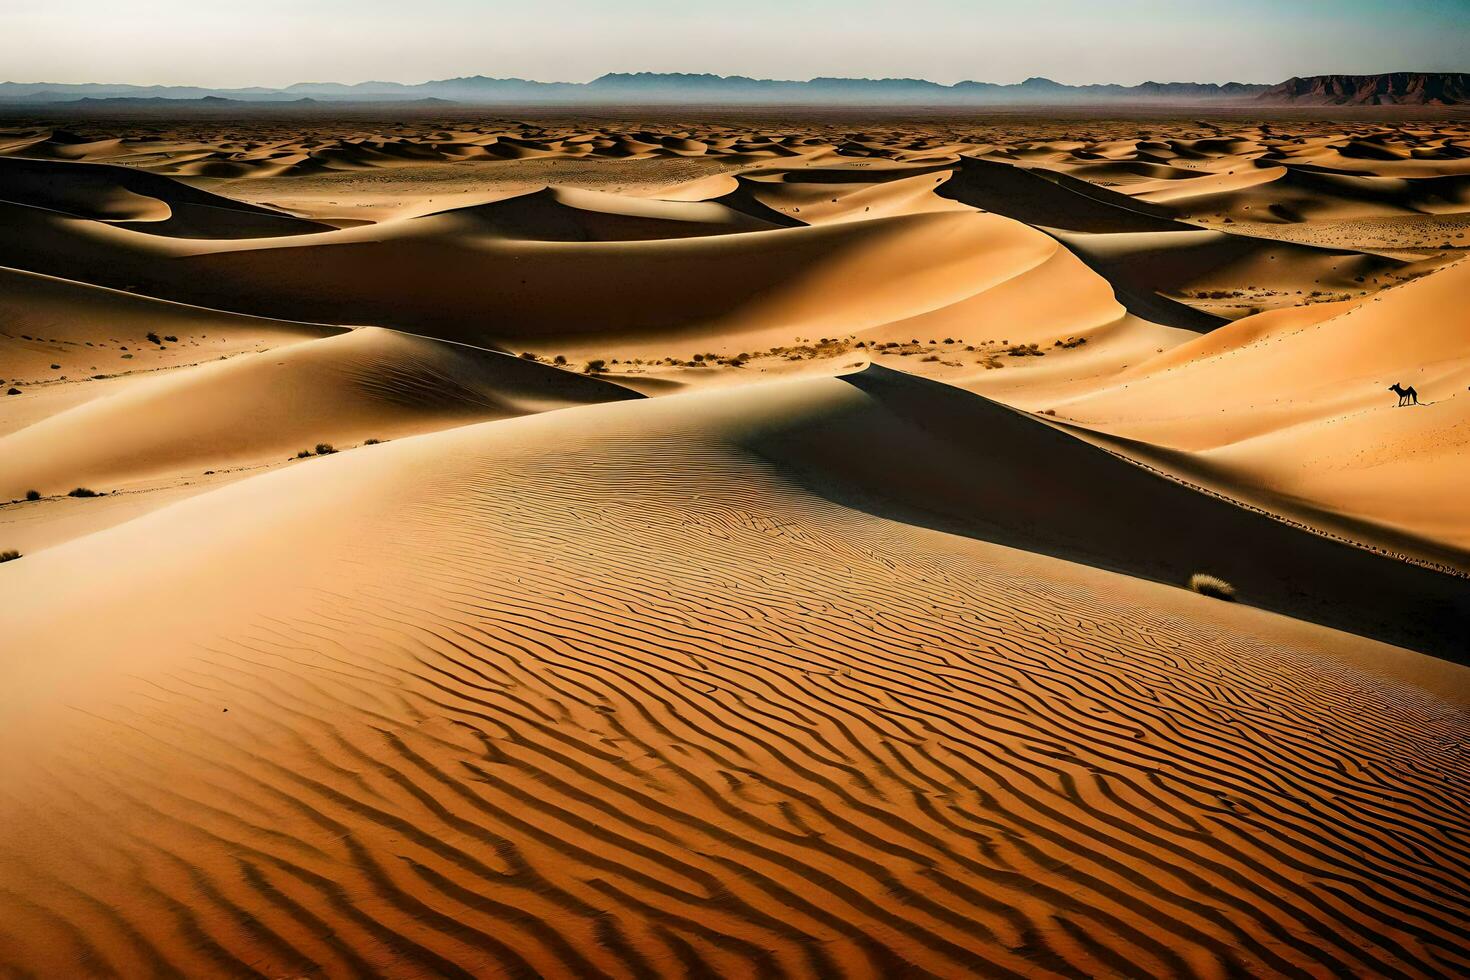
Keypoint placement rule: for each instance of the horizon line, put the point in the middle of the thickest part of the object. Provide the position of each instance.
(731, 77)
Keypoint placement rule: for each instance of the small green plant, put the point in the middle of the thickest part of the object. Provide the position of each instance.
(1215, 588)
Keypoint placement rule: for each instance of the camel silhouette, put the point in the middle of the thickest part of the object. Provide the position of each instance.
(1407, 396)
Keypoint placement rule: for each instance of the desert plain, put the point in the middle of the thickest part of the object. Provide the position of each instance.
(619, 544)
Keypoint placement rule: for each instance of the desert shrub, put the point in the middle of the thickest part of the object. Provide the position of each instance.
(324, 449)
(152, 338)
(171, 339)
(9, 555)
(13, 391)
(56, 367)
(527, 356)
(82, 492)
(371, 442)
(304, 454)
(560, 359)
(33, 495)
(596, 366)
(1215, 588)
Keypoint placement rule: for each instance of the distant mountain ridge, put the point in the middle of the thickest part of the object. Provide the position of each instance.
(655, 88)
(662, 87)
(1390, 88)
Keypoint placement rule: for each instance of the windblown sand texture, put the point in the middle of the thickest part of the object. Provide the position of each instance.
(734, 547)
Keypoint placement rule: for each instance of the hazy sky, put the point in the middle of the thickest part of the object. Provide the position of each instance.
(275, 42)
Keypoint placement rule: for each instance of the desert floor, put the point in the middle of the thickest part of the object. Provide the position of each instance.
(734, 544)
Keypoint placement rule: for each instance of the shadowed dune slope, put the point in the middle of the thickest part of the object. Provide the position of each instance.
(601, 693)
(367, 383)
(978, 468)
(140, 200)
(1145, 267)
(1040, 197)
(1295, 194)
(1211, 259)
(439, 275)
(564, 214)
(1303, 411)
(84, 328)
(1054, 201)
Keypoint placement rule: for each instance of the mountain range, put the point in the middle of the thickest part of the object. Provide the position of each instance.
(1393, 88)
(643, 88)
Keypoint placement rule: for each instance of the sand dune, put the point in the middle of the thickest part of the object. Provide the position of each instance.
(1315, 366)
(1301, 408)
(470, 723)
(865, 644)
(1039, 197)
(1221, 273)
(454, 276)
(85, 329)
(368, 383)
(140, 201)
(1293, 195)
(559, 214)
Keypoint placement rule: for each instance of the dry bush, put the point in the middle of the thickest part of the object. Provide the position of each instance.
(1215, 588)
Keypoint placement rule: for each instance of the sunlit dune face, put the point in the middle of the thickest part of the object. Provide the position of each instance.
(733, 543)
